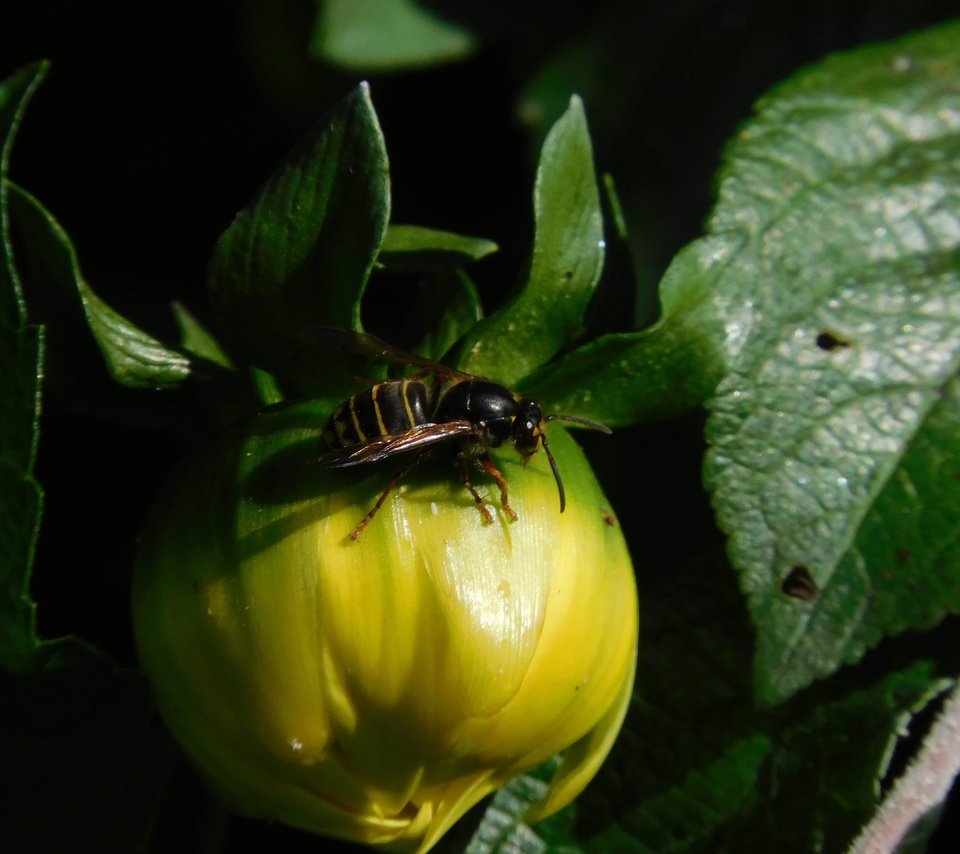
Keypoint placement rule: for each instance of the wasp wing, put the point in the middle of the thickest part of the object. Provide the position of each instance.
(365, 344)
(373, 450)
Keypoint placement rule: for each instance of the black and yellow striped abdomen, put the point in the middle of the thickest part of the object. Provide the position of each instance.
(383, 409)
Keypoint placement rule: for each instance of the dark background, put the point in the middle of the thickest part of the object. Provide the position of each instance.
(152, 130)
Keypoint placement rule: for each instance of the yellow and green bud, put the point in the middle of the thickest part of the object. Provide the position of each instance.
(375, 690)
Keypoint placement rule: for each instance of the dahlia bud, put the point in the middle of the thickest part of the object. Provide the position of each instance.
(376, 689)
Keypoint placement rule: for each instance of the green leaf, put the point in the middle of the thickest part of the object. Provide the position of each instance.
(300, 253)
(133, 357)
(629, 378)
(661, 372)
(568, 249)
(699, 767)
(197, 339)
(830, 762)
(267, 388)
(827, 763)
(692, 742)
(502, 827)
(415, 249)
(833, 256)
(384, 35)
(21, 355)
(85, 335)
(15, 93)
(685, 816)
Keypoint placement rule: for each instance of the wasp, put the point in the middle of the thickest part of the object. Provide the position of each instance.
(435, 405)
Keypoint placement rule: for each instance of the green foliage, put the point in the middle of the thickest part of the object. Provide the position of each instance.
(817, 321)
(833, 260)
(93, 347)
(565, 264)
(282, 266)
(133, 357)
(717, 773)
(502, 827)
(372, 35)
(412, 248)
(22, 359)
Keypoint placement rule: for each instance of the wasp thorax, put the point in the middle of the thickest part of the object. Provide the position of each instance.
(478, 400)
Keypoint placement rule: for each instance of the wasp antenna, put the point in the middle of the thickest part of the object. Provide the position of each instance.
(583, 422)
(556, 472)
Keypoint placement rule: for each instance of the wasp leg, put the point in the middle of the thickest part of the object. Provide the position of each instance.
(495, 473)
(356, 532)
(464, 476)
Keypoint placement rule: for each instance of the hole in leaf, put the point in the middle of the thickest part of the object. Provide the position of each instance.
(799, 584)
(830, 341)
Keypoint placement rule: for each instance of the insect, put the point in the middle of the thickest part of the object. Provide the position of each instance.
(439, 404)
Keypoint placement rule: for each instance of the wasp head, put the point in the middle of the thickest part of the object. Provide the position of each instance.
(527, 427)
(528, 435)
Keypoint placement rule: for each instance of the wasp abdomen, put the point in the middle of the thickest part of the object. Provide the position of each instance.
(381, 410)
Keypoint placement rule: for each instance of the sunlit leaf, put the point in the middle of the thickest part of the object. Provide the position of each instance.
(834, 251)
(548, 313)
(384, 35)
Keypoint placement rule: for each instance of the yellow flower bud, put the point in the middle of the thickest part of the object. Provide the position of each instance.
(375, 690)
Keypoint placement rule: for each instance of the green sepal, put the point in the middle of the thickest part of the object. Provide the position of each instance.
(548, 313)
(415, 249)
(195, 338)
(299, 255)
(633, 377)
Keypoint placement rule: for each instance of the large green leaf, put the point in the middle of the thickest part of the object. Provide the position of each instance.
(300, 253)
(834, 253)
(808, 785)
(699, 767)
(548, 313)
(826, 298)
(21, 360)
(664, 371)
